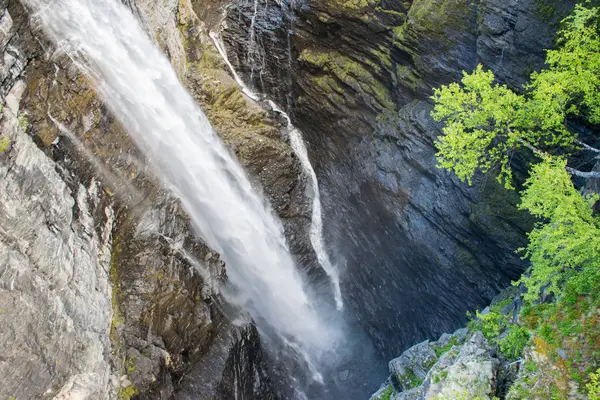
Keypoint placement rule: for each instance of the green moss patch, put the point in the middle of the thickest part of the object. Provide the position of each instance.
(353, 74)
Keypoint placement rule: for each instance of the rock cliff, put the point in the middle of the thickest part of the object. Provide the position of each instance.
(105, 291)
(417, 248)
(457, 366)
(117, 296)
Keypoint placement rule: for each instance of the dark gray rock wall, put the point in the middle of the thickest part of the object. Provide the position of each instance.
(417, 248)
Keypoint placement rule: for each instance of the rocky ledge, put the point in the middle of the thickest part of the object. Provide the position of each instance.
(457, 366)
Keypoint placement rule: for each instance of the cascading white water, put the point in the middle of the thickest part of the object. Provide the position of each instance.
(142, 90)
(297, 143)
(316, 227)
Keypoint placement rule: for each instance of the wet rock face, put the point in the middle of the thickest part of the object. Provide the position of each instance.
(417, 248)
(164, 317)
(13, 60)
(240, 355)
(260, 46)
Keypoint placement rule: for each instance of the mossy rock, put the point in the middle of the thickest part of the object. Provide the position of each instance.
(350, 73)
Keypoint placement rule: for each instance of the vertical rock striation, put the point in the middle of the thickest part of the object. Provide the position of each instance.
(55, 250)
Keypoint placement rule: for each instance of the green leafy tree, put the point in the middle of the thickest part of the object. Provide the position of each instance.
(571, 84)
(484, 124)
(568, 239)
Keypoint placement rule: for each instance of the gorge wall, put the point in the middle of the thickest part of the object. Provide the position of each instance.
(416, 246)
(106, 292)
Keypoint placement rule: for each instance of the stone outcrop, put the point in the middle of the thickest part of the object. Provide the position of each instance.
(55, 295)
(416, 246)
(457, 366)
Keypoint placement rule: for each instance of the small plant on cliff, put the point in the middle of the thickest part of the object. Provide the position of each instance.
(127, 393)
(495, 326)
(593, 387)
(23, 121)
(386, 394)
(515, 340)
(4, 143)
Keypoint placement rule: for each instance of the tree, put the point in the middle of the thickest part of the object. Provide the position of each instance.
(485, 124)
(566, 244)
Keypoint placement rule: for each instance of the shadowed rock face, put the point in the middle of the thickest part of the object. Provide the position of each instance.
(417, 247)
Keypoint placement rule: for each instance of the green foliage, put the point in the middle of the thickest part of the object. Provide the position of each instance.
(512, 345)
(440, 375)
(352, 6)
(387, 393)
(480, 126)
(127, 393)
(443, 349)
(461, 395)
(530, 366)
(568, 239)
(23, 121)
(4, 143)
(495, 324)
(414, 381)
(130, 364)
(485, 123)
(490, 324)
(408, 379)
(568, 327)
(571, 84)
(593, 387)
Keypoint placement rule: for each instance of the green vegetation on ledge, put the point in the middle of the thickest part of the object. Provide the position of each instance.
(352, 7)
(4, 143)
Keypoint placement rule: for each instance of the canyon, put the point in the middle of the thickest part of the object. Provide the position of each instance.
(111, 288)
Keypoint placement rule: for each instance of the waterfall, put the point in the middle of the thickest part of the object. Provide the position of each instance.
(140, 87)
(297, 143)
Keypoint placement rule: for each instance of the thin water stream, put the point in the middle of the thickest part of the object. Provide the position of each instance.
(319, 352)
(299, 147)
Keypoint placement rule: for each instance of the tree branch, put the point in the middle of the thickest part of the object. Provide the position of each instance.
(531, 147)
(587, 146)
(581, 174)
(572, 171)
